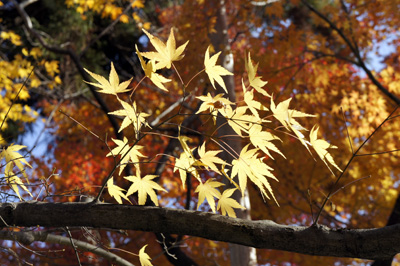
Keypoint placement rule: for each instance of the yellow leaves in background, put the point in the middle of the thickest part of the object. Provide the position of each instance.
(138, 4)
(392, 79)
(215, 72)
(52, 67)
(106, 8)
(12, 37)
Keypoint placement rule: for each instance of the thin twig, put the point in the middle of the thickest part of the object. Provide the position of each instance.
(349, 162)
(347, 130)
(73, 246)
(352, 182)
(80, 124)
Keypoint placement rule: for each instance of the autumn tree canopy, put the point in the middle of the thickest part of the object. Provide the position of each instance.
(199, 132)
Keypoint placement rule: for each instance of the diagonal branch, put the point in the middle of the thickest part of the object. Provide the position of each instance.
(27, 238)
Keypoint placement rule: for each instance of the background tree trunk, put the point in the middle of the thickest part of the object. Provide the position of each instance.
(240, 255)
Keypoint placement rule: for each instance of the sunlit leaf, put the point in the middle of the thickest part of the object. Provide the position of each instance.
(227, 204)
(320, 146)
(115, 191)
(208, 191)
(215, 72)
(111, 86)
(144, 186)
(166, 53)
(144, 258)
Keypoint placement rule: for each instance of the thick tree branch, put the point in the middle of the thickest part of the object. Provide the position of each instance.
(28, 238)
(377, 243)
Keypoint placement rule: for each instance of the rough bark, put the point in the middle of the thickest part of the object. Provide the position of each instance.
(394, 218)
(376, 243)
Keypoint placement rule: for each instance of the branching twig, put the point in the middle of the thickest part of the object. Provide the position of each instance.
(354, 155)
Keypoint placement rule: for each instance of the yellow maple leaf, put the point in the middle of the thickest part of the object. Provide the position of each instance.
(214, 71)
(254, 81)
(166, 53)
(144, 258)
(237, 119)
(213, 104)
(123, 148)
(183, 140)
(112, 86)
(144, 186)
(320, 146)
(262, 140)
(227, 204)
(252, 104)
(208, 191)
(115, 191)
(14, 181)
(208, 159)
(185, 163)
(149, 70)
(286, 117)
(132, 116)
(12, 157)
(248, 165)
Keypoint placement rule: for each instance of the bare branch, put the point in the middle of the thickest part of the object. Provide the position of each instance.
(27, 238)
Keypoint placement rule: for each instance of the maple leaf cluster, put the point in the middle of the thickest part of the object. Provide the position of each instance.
(245, 119)
(249, 119)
